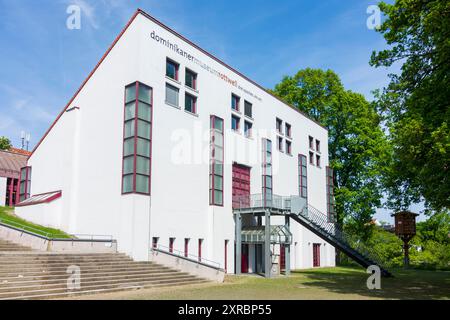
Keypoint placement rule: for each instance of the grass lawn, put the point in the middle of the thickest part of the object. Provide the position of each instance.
(7, 217)
(315, 284)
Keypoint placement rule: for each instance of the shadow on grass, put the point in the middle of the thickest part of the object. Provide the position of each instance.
(406, 284)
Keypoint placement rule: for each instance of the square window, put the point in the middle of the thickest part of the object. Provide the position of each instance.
(127, 184)
(279, 126)
(235, 123)
(288, 147)
(248, 109)
(288, 130)
(172, 69)
(191, 79)
(172, 94)
(311, 158)
(235, 100)
(248, 129)
(280, 144)
(311, 143)
(145, 94)
(130, 93)
(190, 103)
(142, 184)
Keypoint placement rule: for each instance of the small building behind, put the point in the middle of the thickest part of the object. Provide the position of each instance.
(11, 161)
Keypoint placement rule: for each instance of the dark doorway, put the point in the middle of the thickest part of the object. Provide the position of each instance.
(316, 255)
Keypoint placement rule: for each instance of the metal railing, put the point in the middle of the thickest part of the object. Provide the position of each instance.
(52, 235)
(189, 257)
(262, 201)
(321, 220)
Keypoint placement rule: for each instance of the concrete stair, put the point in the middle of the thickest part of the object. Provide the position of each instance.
(26, 274)
(9, 246)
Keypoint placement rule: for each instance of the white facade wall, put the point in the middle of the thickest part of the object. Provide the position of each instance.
(3, 190)
(82, 155)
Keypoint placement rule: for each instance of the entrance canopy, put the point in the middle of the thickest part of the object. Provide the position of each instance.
(278, 235)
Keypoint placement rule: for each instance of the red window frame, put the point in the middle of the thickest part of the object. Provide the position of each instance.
(226, 256)
(303, 173)
(288, 147)
(288, 130)
(311, 143)
(171, 243)
(200, 243)
(279, 125)
(213, 164)
(238, 123)
(25, 181)
(137, 101)
(194, 103)
(155, 242)
(331, 210)
(235, 100)
(186, 247)
(189, 72)
(177, 68)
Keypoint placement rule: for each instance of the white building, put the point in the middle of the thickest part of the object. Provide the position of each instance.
(129, 156)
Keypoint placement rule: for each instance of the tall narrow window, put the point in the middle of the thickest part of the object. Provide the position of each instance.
(172, 69)
(191, 79)
(280, 144)
(330, 195)
(190, 103)
(171, 243)
(288, 147)
(25, 183)
(317, 145)
(318, 163)
(137, 139)
(235, 100)
(303, 176)
(186, 247)
(248, 112)
(267, 171)
(200, 243)
(311, 158)
(226, 256)
(216, 162)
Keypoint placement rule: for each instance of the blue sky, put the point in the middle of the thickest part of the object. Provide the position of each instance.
(43, 63)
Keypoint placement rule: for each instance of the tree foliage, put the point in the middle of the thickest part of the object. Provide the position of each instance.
(5, 143)
(358, 148)
(416, 104)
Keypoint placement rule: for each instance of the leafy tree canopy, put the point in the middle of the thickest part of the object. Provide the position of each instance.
(5, 143)
(416, 102)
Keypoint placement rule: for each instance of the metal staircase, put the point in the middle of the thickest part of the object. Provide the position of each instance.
(317, 222)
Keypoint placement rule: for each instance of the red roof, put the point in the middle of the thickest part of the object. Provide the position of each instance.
(12, 161)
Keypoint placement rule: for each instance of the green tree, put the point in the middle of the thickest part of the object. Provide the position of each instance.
(5, 143)
(358, 148)
(416, 102)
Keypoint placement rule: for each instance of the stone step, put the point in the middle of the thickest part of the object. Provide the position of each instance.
(12, 262)
(50, 269)
(101, 291)
(48, 275)
(99, 281)
(11, 282)
(121, 286)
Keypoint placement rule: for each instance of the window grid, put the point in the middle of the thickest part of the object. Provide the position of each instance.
(267, 183)
(216, 162)
(303, 176)
(190, 103)
(138, 114)
(235, 101)
(330, 195)
(248, 127)
(172, 69)
(191, 79)
(248, 112)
